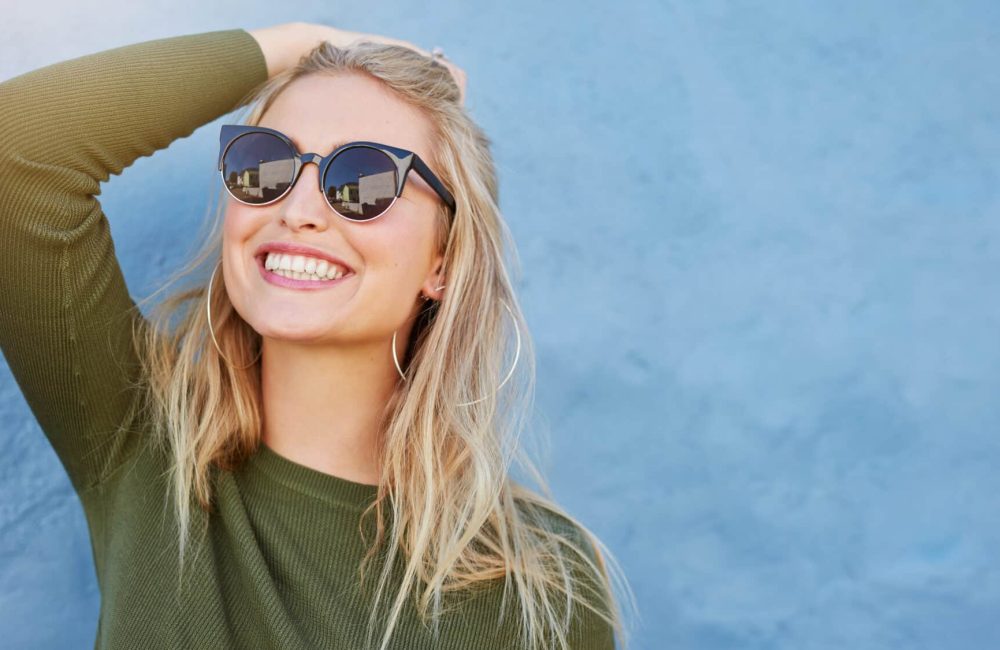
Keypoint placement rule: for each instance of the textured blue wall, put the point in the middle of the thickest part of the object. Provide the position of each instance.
(761, 255)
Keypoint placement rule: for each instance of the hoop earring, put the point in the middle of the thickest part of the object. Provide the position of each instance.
(211, 330)
(510, 372)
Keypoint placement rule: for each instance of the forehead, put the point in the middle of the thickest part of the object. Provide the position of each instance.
(322, 112)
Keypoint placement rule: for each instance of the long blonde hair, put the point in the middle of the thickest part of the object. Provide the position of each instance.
(457, 516)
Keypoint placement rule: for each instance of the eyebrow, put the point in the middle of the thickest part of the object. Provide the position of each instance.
(334, 147)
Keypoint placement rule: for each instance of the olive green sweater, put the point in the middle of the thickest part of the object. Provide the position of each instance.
(278, 569)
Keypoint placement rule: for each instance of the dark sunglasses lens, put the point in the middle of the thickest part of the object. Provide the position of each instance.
(257, 167)
(360, 183)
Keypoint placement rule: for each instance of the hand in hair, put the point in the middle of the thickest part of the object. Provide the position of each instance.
(284, 44)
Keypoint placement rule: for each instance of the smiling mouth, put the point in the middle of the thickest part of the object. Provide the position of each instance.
(298, 280)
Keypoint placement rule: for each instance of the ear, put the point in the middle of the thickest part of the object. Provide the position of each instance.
(435, 279)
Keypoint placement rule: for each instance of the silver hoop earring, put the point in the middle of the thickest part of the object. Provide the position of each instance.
(517, 355)
(211, 330)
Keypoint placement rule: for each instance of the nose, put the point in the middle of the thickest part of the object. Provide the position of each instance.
(305, 206)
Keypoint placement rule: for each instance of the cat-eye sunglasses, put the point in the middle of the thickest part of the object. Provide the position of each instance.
(360, 180)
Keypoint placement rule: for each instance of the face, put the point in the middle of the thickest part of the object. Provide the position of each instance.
(393, 257)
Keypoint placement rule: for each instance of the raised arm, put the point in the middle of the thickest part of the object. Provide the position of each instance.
(65, 312)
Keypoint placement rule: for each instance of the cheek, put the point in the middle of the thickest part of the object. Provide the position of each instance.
(237, 232)
(395, 250)
(237, 225)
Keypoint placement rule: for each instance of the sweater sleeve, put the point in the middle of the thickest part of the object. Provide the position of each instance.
(65, 311)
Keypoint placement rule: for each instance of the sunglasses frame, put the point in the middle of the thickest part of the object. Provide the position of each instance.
(403, 159)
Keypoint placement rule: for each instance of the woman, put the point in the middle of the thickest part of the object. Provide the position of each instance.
(335, 410)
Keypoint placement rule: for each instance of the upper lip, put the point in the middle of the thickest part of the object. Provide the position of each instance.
(300, 249)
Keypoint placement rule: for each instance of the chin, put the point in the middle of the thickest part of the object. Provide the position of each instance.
(293, 332)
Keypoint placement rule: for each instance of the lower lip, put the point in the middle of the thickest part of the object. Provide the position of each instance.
(291, 283)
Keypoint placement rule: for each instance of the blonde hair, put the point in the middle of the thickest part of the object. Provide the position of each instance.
(457, 516)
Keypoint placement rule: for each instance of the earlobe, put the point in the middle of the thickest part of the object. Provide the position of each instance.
(434, 293)
(433, 287)
(436, 282)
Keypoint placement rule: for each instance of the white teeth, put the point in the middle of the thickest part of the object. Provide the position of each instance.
(301, 267)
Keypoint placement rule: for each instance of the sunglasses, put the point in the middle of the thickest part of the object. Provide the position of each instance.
(360, 180)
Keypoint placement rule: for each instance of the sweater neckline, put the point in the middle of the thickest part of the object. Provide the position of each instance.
(312, 482)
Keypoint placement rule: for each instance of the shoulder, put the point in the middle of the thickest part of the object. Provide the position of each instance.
(566, 527)
(583, 567)
(589, 630)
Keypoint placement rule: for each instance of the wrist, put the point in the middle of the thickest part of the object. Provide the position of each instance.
(282, 45)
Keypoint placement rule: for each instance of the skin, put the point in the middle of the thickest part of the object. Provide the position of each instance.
(327, 367)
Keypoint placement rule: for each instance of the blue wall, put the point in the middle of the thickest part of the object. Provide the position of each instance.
(761, 256)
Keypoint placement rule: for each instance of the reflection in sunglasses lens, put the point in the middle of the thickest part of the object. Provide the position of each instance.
(361, 183)
(257, 167)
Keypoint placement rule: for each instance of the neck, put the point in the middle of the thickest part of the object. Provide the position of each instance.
(321, 405)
